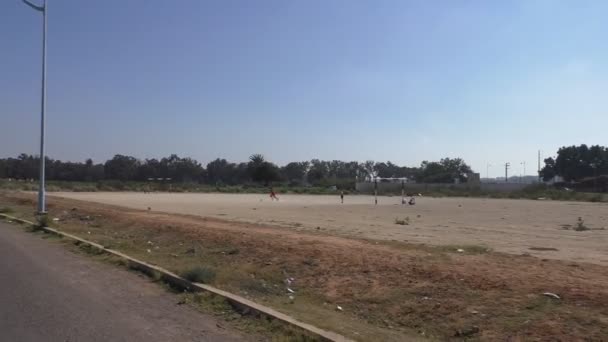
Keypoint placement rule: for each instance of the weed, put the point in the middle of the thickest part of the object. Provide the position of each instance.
(404, 222)
(232, 251)
(543, 249)
(199, 274)
(41, 222)
(580, 225)
(311, 262)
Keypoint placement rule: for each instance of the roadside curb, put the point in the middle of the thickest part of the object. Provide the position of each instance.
(236, 301)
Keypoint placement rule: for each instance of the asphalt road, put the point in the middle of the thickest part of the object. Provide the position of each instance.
(48, 293)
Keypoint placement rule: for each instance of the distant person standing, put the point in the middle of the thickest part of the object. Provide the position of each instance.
(342, 196)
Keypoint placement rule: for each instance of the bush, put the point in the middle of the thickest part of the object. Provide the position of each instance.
(6, 210)
(43, 221)
(199, 274)
(580, 225)
(403, 222)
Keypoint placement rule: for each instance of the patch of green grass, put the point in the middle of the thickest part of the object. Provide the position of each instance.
(243, 319)
(199, 274)
(257, 286)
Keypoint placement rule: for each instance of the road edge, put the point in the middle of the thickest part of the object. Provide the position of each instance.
(175, 280)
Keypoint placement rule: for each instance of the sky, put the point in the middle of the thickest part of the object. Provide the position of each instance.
(406, 81)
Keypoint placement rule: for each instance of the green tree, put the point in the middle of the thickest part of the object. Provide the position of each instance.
(318, 171)
(548, 171)
(295, 171)
(447, 170)
(121, 168)
(574, 163)
(262, 171)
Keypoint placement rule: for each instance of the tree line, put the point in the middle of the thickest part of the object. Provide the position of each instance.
(222, 172)
(576, 163)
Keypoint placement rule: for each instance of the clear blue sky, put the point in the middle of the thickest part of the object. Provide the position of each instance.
(488, 81)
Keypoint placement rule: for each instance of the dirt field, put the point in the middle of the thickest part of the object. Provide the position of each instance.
(540, 228)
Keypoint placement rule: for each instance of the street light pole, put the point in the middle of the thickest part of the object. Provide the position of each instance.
(41, 183)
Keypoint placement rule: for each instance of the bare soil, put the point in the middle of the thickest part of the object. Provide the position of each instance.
(388, 290)
(540, 228)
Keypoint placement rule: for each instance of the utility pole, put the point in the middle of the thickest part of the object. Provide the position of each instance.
(488, 171)
(41, 186)
(521, 178)
(507, 172)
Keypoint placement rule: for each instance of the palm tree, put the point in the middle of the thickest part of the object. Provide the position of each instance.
(257, 159)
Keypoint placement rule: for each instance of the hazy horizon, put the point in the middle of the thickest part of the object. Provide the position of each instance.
(489, 82)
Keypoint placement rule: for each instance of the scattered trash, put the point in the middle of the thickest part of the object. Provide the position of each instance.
(339, 308)
(149, 251)
(292, 298)
(174, 255)
(56, 219)
(425, 298)
(89, 233)
(150, 243)
(474, 312)
(460, 250)
(541, 198)
(290, 290)
(552, 295)
(467, 332)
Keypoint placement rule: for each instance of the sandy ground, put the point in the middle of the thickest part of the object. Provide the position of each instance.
(511, 226)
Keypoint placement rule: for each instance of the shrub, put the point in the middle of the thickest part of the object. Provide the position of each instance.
(199, 274)
(403, 222)
(580, 225)
(6, 210)
(41, 222)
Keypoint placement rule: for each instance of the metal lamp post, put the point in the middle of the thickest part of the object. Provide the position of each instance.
(41, 194)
